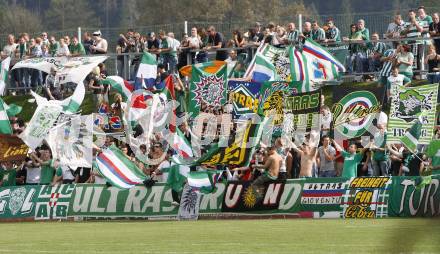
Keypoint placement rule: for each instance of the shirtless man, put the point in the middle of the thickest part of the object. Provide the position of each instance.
(308, 156)
(273, 164)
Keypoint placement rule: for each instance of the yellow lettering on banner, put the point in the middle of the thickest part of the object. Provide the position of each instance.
(359, 211)
(242, 99)
(14, 151)
(304, 102)
(363, 197)
(249, 102)
(369, 182)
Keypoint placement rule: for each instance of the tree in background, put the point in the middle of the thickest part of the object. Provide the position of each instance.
(16, 19)
(68, 14)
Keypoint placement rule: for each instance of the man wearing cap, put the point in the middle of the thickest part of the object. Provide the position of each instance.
(100, 44)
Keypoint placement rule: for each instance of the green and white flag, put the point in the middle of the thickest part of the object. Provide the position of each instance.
(411, 138)
(69, 69)
(5, 126)
(147, 71)
(121, 86)
(207, 90)
(4, 74)
(69, 105)
(407, 104)
(202, 181)
(42, 121)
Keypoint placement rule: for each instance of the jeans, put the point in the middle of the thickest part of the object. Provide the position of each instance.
(349, 60)
(170, 63)
(433, 78)
(380, 168)
(24, 77)
(36, 78)
(329, 173)
(361, 62)
(374, 64)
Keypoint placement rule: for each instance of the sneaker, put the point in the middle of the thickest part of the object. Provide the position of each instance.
(174, 203)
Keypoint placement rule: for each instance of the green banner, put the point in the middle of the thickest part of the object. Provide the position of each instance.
(102, 201)
(18, 201)
(409, 197)
(339, 52)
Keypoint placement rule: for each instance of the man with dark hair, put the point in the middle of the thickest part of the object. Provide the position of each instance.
(217, 41)
(271, 166)
(326, 156)
(434, 31)
(318, 34)
(332, 34)
(351, 159)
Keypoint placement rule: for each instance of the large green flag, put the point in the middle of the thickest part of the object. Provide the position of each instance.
(207, 91)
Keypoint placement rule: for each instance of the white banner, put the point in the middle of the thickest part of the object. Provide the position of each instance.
(69, 69)
(42, 121)
(71, 142)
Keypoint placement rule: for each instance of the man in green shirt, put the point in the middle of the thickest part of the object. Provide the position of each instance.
(351, 159)
(76, 48)
(433, 152)
(53, 46)
(318, 34)
(48, 166)
(167, 54)
(8, 175)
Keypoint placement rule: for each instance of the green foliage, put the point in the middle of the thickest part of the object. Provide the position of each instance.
(65, 14)
(16, 19)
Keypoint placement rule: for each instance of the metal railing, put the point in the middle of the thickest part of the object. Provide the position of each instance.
(123, 64)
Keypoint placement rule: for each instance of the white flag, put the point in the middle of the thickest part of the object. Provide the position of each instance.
(71, 142)
(42, 121)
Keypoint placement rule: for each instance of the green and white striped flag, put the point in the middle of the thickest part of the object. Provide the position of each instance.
(201, 180)
(5, 126)
(411, 138)
(4, 74)
(121, 86)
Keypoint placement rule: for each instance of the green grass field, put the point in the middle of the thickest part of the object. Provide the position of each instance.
(224, 236)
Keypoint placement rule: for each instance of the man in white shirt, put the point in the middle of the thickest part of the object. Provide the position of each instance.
(326, 120)
(33, 170)
(396, 79)
(10, 49)
(395, 28)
